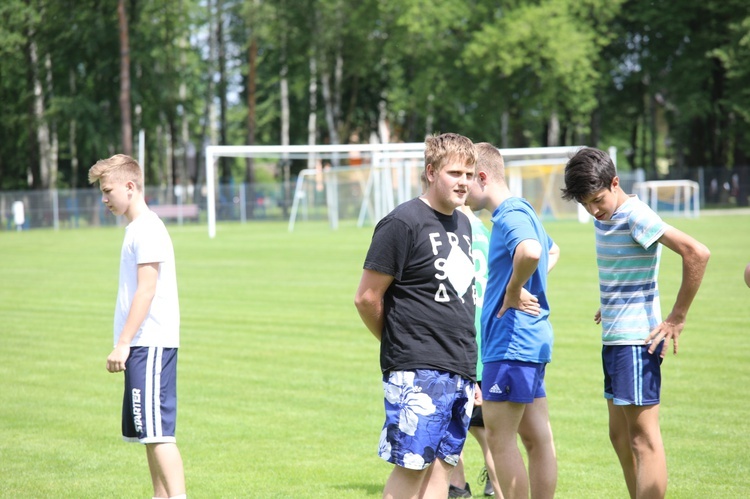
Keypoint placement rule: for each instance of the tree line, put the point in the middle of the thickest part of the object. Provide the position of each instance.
(666, 82)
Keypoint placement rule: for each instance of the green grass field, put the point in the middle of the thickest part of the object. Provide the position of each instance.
(279, 384)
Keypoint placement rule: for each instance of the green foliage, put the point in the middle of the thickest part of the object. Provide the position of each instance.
(18, 16)
(660, 79)
(280, 392)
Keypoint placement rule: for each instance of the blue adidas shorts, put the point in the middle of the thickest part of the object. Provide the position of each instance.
(513, 381)
(426, 417)
(149, 406)
(632, 376)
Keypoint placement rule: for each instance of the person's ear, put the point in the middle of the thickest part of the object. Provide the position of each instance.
(615, 183)
(429, 173)
(482, 177)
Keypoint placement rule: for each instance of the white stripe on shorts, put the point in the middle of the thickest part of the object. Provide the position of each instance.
(153, 392)
(637, 375)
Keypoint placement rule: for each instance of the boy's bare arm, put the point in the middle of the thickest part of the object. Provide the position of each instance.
(369, 300)
(554, 256)
(695, 257)
(525, 261)
(144, 295)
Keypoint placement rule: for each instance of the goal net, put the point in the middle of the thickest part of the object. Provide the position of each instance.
(364, 182)
(676, 197)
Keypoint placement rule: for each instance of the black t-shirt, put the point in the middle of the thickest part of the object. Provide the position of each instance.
(429, 307)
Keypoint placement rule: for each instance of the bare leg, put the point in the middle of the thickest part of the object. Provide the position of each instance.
(438, 480)
(480, 434)
(501, 420)
(165, 465)
(458, 478)
(536, 434)
(404, 483)
(619, 435)
(648, 449)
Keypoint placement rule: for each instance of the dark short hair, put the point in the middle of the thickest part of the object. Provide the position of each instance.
(587, 172)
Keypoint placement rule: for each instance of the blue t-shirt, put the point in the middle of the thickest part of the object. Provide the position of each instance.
(516, 335)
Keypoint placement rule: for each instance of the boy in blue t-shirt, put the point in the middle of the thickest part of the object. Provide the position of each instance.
(628, 236)
(516, 333)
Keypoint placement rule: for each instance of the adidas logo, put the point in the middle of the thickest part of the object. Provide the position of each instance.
(496, 389)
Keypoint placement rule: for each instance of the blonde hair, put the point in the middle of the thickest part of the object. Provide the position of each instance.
(440, 149)
(118, 168)
(490, 160)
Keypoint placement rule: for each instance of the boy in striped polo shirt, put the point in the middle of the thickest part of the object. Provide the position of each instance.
(629, 236)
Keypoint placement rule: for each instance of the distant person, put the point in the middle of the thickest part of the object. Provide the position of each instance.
(480, 243)
(19, 215)
(629, 236)
(416, 296)
(517, 336)
(147, 324)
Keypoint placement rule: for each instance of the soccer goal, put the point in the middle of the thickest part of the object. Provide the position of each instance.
(678, 197)
(364, 182)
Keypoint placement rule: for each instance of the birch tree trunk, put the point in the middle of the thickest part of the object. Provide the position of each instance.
(252, 60)
(42, 128)
(504, 130)
(312, 119)
(226, 173)
(54, 147)
(325, 81)
(284, 88)
(332, 90)
(430, 120)
(285, 166)
(383, 130)
(72, 137)
(338, 76)
(553, 130)
(284, 83)
(206, 136)
(125, 117)
(181, 176)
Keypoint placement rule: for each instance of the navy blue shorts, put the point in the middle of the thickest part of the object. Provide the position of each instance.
(632, 376)
(513, 381)
(426, 417)
(149, 405)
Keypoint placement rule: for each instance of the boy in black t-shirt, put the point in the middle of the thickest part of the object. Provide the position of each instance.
(417, 296)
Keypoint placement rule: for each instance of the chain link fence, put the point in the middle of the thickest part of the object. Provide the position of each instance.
(80, 208)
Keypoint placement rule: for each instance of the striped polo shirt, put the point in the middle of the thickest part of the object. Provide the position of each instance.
(627, 255)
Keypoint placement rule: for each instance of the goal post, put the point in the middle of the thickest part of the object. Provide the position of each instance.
(365, 182)
(680, 197)
(311, 153)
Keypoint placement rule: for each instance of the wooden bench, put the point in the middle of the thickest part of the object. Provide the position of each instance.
(176, 211)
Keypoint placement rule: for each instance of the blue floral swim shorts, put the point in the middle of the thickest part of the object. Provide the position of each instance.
(427, 415)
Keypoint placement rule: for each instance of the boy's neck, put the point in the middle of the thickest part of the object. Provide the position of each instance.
(497, 196)
(137, 207)
(622, 196)
(431, 200)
